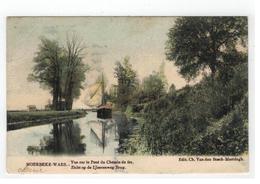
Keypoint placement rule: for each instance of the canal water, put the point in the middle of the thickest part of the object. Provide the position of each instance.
(83, 136)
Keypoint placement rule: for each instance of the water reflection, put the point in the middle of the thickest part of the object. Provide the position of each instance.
(64, 138)
(103, 134)
(87, 135)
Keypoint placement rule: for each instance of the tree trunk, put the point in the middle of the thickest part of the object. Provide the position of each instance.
(69, 97)
(69, 91)
(57, 90)
(57, 137)
(69, 103)
(57, 95)
(54, 99)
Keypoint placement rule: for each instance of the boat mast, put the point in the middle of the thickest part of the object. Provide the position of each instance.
(103, 103)
(103, 90)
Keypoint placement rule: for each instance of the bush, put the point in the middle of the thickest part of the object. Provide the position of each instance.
(228, 136)
(207, 118)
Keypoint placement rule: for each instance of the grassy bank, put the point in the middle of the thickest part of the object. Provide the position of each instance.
(22, 119)
(17, 116)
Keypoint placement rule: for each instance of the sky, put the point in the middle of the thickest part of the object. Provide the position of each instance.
(106, 39)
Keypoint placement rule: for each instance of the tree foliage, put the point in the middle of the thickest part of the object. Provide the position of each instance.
(196, 44)
(48, 68)
(74, 70)
(61, 70)
(153, 86)
(127, 82)
(210, 117)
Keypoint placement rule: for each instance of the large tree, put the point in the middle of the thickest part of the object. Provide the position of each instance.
(127, 82)
(60, 69)
(74, 70)
(196, 44)
(48, 68)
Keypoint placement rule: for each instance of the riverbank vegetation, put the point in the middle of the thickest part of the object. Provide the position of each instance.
(23, 119)
(18, 116)
(208, 118)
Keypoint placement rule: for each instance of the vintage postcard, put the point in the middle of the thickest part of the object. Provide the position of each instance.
(127, 95)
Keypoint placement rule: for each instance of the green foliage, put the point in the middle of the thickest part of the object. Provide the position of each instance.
(153, 86)
(17, 116)
(227, 136)
(48, 68)
(135, 143)
(210, 117)
(196, 44)
(47, 63)
(193, 119)
(74, 70)
(167, 127)
(127, 83)
(60, 69)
